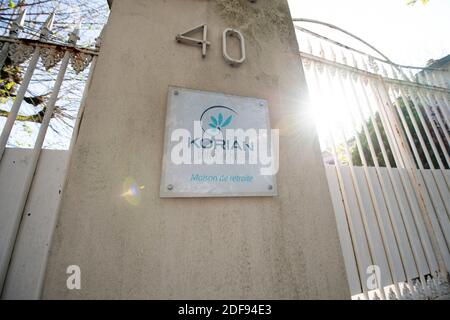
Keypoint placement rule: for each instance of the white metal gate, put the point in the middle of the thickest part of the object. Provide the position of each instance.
(31, 177)
(384, 131)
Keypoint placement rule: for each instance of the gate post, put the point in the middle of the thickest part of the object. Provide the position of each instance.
(278, 247)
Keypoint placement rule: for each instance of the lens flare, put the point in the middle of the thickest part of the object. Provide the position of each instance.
(132, 192)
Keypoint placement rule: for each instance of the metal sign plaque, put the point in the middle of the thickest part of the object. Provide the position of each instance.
(217, 145)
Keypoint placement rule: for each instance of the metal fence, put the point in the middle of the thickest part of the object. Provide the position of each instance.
(385, 136)
(27, 53)
(384, 131)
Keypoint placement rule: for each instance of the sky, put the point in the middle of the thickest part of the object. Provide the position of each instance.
(410, 35)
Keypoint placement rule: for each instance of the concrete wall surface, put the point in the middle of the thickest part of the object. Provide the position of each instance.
(286, 247)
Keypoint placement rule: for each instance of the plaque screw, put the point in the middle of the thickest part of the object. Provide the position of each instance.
(270, 187)
(261, 104)
(176, 92)
(170, 187)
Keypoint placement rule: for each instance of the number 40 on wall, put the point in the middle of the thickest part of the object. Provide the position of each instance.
(204, 43)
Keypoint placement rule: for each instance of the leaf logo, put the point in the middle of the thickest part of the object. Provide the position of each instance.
(219, 123)
(215, 118)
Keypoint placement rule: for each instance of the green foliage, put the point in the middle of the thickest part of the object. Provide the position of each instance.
(377, 148)
(415, 137)
(10, 76)
(27, 129)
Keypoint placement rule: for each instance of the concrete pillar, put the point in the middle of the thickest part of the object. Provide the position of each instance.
(285, 247)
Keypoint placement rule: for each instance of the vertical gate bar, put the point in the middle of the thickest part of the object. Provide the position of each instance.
(416, 102)
(350, 225)
(22, 198)
(377, 168)
(418, 175)
(442, 170)
(421, 187)
(426, 107)
(46, 29)
(410, 197)
(394, 181)
(445, 107)
(406, 129)
(369, 181)
(433, 226)
(444, 221)
(391, 139)
(422, 192)
(18, 102)
(428, 79)
(363, 214)
(393, 226)
(394, 185)
(434, 106)
(415, 126)
(444, 225)
(15, 27)
(73, 141)
(34, 159)
(405, 158)
(364, 125)
(80, 114)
